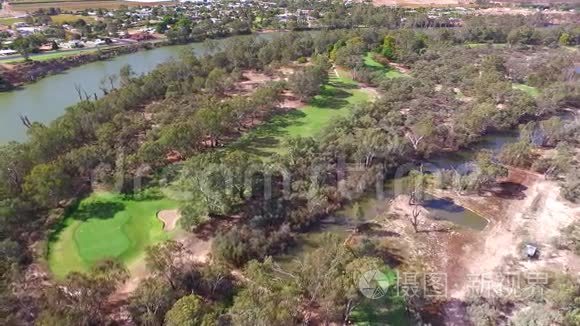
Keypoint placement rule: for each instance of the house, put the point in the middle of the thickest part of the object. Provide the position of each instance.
(73, 44)
(24, 31)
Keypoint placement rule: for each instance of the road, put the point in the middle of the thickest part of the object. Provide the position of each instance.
(116, 43)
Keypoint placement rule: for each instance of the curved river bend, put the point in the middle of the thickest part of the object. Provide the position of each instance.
(48, 98)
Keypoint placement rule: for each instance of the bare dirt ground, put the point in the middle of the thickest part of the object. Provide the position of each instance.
(290, 101)
(435, 245)
(400, 67)
(534, 215)
(523, 208)
(252, 79)
(169, 218)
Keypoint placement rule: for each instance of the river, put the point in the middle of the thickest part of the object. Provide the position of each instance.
(48, 98)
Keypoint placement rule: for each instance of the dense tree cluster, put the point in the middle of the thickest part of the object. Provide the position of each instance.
(184, 108)
(558, 304)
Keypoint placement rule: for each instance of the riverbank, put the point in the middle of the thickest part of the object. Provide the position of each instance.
(21, 73)
(38, 102)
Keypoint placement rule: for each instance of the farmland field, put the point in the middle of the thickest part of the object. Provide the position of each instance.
(68, 18)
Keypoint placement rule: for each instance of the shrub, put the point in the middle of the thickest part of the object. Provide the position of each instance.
(571, 187)
(571, 238)
(242, 244)
(517, 154)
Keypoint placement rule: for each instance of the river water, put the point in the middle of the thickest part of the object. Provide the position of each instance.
(48, 98)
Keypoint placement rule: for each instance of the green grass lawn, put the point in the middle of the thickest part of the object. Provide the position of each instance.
(532, 91)
(10, 20)
(51, 55)
(389, 72)
(106, 225)
(335, 100)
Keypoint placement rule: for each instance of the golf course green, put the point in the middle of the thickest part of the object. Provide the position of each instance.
(106, 225)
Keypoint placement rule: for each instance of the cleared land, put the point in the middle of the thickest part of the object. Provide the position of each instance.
(106, 225)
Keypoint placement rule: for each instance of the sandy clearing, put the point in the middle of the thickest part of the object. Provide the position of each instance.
(400, 67)
(250, 81)
(169, 218)
(537, 216)
(290, 101)
(437, 246)
(372, 91)
(524, 208)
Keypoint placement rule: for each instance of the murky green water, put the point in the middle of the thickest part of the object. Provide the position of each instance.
(48, 98)
(376, 207)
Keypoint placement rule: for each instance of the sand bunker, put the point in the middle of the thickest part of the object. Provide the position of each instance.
(169, 217)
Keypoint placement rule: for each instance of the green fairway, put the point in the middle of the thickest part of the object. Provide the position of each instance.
(335, 100)
(389, 72)
(532, 91)
(106, 225)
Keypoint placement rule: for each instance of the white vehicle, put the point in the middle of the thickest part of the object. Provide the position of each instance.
(4, 53)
